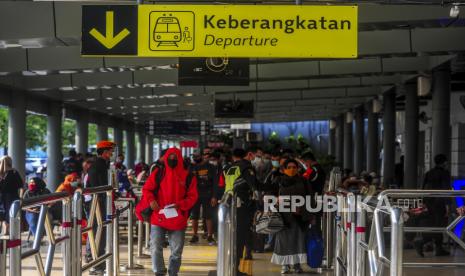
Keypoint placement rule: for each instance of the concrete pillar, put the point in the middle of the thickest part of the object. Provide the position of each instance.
(54, 141)
(372, 139)
(389, 136)
(411, 138)
(82, 134)
(17, 132)
(130, 147)
(118, 133)
(340, 140)
(441, 111)
(102, 132)
(359, 154)
(348, 141)
(141, 154)
(149, 149)
(332, 138)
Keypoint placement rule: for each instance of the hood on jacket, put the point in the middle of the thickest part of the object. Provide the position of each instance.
(179, 170)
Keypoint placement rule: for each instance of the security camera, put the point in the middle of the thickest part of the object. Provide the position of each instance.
(454, 11)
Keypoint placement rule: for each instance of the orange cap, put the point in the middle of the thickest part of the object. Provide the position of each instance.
(105, 144)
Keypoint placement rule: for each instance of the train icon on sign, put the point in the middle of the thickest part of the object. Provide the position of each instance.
(172, 31)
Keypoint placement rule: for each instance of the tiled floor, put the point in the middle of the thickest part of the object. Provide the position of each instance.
(201, 258)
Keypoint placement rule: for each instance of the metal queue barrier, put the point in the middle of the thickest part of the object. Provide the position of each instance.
(329, 227)
(71, 234)
(360, 252)
(131, 202)
(94, 239)
(13, 245)
(227, 214)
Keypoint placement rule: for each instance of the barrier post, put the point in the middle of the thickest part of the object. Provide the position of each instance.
(116, 245)
(360, 232)
(131, 264)
(352, 236)
(339, 230)
(147, 236)
(397, 242)
(3, 243)
(66, 232)
(76, 248)
(109, 231)
(15, 238)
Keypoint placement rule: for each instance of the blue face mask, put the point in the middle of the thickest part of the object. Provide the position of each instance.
(275, 163)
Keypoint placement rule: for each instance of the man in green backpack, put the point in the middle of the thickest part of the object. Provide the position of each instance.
(240, 179)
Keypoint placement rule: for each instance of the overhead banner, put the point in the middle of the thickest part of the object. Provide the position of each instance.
(223, 31)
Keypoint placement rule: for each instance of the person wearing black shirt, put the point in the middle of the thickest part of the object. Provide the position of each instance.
(98, 177)
(207, 179)
(10, 186)
(73, 164)
(437, 178)
(244, 187)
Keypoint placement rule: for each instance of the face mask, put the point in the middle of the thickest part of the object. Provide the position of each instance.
(214, 163)
(74, 184)
(172, 163)
(32, 187)
(275, 163)
(290, 172)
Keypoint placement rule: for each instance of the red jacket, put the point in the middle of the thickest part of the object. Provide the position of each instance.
(172, 191)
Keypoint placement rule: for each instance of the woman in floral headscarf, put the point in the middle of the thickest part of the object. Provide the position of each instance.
(10, 186)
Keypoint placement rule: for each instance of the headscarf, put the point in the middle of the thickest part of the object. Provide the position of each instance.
(6, 164)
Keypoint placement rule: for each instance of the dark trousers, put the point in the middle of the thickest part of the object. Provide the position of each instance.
(243, 231)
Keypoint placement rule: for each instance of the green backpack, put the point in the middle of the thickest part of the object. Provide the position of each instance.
(230, 177)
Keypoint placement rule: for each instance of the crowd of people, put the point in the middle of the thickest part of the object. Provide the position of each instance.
(176, 189)
(193, 188)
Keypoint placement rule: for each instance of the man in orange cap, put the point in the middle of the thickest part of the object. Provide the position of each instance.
(98, 176)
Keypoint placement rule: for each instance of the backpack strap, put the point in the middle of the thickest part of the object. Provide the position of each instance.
(158, 178)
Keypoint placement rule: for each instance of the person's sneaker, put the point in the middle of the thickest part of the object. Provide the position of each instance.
(285, 269)
(298, 269)
(441, 252)
(205, 236)
(211, 241)
(419, 247)
(195, 239)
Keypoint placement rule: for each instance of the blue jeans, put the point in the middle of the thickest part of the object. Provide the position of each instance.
(32, 219)
(176, 241)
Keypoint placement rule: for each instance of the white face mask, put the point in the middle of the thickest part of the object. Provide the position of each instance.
(214, 163)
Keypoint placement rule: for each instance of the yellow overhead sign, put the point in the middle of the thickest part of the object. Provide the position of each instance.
(242, 31)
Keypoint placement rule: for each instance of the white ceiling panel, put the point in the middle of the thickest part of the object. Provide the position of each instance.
(60, 58)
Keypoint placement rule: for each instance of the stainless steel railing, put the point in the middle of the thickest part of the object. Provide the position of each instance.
(227, 213)
(44, 223)
(384, 208)
(94, 239)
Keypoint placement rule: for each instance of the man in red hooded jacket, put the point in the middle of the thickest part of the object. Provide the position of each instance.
(170, 203)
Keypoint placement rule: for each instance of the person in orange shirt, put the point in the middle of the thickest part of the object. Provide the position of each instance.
(71, 183)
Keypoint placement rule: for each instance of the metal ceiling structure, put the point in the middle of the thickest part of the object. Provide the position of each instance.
(40, 56)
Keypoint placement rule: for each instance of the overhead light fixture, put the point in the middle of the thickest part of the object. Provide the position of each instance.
(90, 99)
(454, 11)
(332, 124)
(67, 71)
(188, 95)
(349, 117)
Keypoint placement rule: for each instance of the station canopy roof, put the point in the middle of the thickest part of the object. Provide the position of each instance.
(40, 56)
